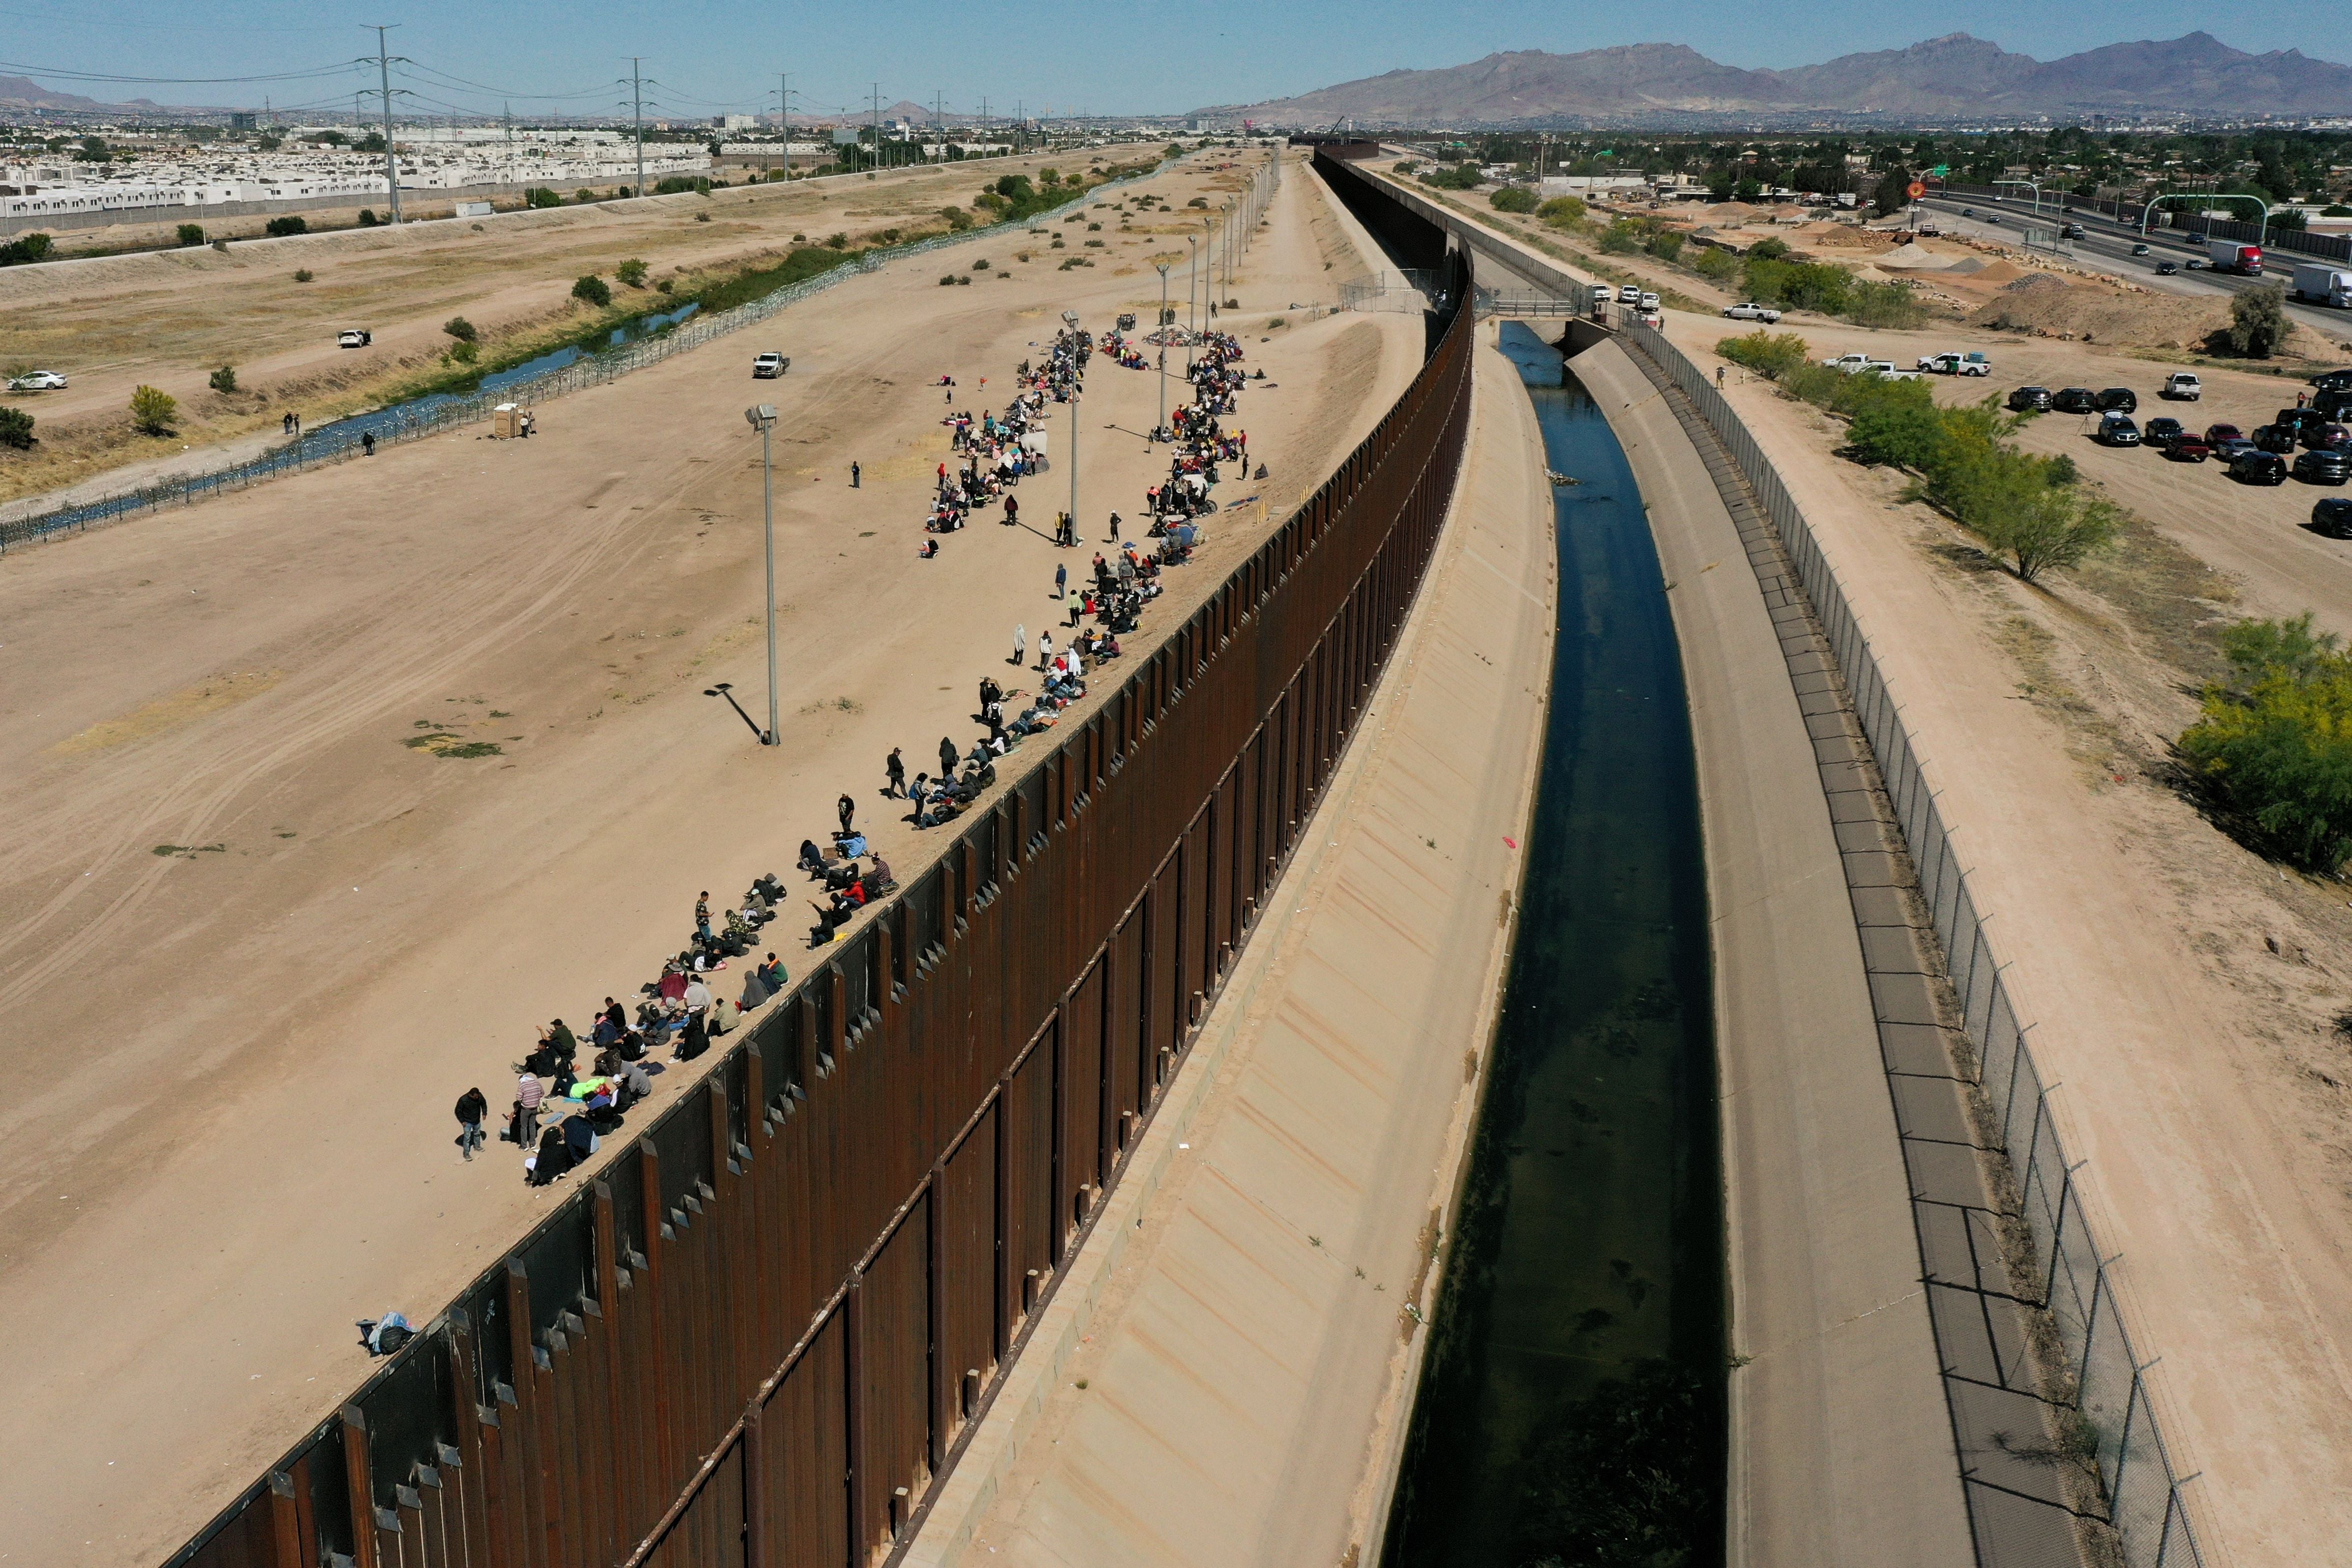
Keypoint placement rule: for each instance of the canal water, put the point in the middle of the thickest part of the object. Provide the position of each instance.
(1570, 1410)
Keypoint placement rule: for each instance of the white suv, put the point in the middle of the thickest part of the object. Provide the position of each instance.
(1627, 294)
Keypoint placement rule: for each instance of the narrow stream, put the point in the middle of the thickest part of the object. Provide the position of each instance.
(1572, 1411)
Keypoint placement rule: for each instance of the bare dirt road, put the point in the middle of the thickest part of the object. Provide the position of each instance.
(254, 946)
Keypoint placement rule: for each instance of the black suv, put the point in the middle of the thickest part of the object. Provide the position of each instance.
(2258, 467)
(2279, 439)
(2161, 431)
(2333, 380)
(2332, 515)
(2075, 400)
(2322, 466)
(2036, 398)
(2117, 400)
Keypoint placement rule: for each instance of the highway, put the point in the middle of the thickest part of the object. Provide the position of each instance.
(2107, 247)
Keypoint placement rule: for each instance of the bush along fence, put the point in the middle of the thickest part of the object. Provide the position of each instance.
(758, 1335)
(431, 415)
(2142, 1485)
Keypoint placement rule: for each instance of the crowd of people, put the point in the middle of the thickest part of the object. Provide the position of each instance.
(563, 1106)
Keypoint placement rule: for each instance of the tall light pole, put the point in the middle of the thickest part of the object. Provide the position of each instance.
(762, 418)
(1193, 268)
(1158, 429)
(1078, 374)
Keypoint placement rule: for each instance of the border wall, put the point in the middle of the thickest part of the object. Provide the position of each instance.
(759, 1334)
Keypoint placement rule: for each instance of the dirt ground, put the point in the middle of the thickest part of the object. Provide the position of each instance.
(255, 946)
(169, 319)
(2184, 990)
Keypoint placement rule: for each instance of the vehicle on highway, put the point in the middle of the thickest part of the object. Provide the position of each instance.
(1967, 212)
(2075, 400)
(353, 339)
(769, 365)
(2160, 429)
(1992, 218)
(2181, 386)
(2196, 264)
(1751, 311)
(2279, 439)
(2116, 430)
(1629, 294)
(2319, 284)
(2167, 268)
(1955, 364)
(2119, 399)
(2139, 250)
(2198, 239)
(2258, 467)
(2228, 255)
(2332, 515)
(2036, 398)
(2217, 434)
(39, 381)
(2071, 231)
(2187, 448)
(2319, 467)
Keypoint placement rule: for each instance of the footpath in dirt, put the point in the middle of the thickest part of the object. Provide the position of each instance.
(266, 944)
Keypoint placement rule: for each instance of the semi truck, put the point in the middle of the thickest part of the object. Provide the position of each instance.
(2321, 284)
(2228, 255)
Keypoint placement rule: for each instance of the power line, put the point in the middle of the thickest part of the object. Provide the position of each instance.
(173, 80)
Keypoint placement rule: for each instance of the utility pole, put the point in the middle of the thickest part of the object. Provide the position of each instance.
(506, 117)
(762, 418)
(877, 125)
(390, 160)
(637, 117)
(1077, 375)
(1162, 325)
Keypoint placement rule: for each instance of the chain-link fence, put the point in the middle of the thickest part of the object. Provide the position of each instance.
(2143, 1486)
(427, 415)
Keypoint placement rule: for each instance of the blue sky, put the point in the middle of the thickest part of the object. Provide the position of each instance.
(714, 54)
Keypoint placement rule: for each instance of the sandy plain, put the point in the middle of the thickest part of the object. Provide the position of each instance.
(254, 946)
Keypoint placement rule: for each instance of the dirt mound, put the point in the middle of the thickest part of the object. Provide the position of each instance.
(2052, 307)
(2003, 272)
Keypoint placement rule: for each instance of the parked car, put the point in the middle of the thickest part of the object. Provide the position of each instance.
(2217, 434)
(1648, 301)
(2183, 386)
(2075, 400)
(2332, 515)
(2167, 268)
(39, 381)
(1929, 231)
(2116, 430)
(1751, 311)
(2187, 447)
(2276, 438)
(353, 339)
(1629, 294)
(2160, 429)
(2036, 398)
(1650, 318)
(2299, 420)
(2326, 436)
(2333, 380)
(2256, 468)
(769, 365)
(2119, 400)
(2139, 250)
(2232, 449)
(1955, 364)
(2321, 467)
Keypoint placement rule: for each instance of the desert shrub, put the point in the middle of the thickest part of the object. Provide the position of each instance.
(31, 248)
(303, 275)
(2257, 321)
(1716, 264)
(152, 410)
(461, 329)
(279, 227)
(192, 233)
(464, 353)
(367, 217)
(1666, 244)
(2273, 745)
(1767, 250)
(2009, 498)
(15, 427)
(631, 272)
(1872, 304)
(1769, 354)
(223, 378)
(1460, 177)
(1622, 237)
(1514, 199)
(836, 242)
(1562, 212)
(540, 197)
(593, 291)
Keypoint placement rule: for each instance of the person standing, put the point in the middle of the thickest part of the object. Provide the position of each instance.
(1061, 581)
(1012, 511)
(702, 915)
(847, 809)
(947, 757)
(1020, 643)
(472, 1107)
(1044, 649)
(1076, 607)
(367, 443)
(1114, 528)
(529, 1094)
(896, 768)
(856, 476)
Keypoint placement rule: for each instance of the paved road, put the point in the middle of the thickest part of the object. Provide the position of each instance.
(2107, 246)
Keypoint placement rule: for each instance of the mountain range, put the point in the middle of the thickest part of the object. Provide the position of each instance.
(22, 91)
(1952, 78)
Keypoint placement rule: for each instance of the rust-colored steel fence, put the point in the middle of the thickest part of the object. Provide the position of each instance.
(756, 1338)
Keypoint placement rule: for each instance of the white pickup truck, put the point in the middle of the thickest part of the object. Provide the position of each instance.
(1955, 364)
(1863, 364)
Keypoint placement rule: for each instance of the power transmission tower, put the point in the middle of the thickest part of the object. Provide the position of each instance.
(384, 76)
(637, 118)
(938, 123)
(878, 124)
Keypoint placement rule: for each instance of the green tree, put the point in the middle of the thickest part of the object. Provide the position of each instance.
(1716, 264)
(631, 272)
(1747, 190)
(1514, 199)
(1893, 193)
(1769, 354)
(461, 329)
(465, 352)
(1622, 237)
(2005, 498)
(223, 378)
(2258, 321)
(152, 410)
(593, 291)
(15, 427)
(31, 248)
(1869, 304)
(371, 142)
(1666, 244)
(2274, 745)
(192, 233)
(1767, 250)
(540, 197)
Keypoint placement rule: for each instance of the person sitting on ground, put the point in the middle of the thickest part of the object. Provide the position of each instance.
(580, 1137)
(553, 1158)
(632, 1046)
(828, 921)
(693, 1040)
(383, 1336)
(811, 860)
(772, 972)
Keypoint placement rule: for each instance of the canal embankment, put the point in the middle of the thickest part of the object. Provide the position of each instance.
(1226, 1375)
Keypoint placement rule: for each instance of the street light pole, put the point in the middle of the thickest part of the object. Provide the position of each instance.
(1163, 424)
(1193, 268)
(1077, 375)
(762, 418)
